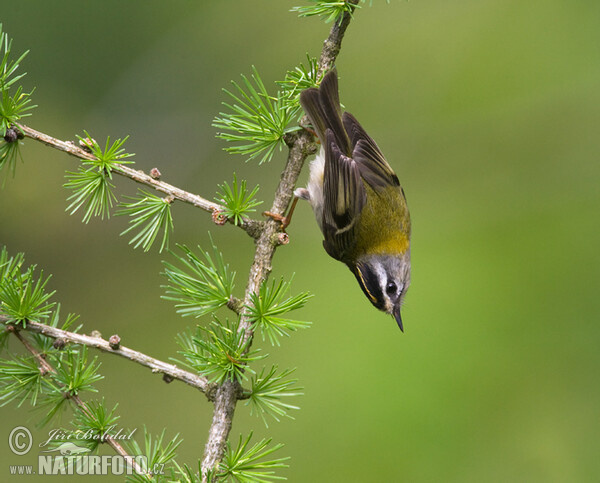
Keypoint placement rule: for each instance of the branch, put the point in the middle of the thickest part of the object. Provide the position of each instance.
(301, 145)
(46, 368)
(169, 371)
(252, 227)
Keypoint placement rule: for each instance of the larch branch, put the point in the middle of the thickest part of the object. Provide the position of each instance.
(170, 371)
(300, 147)
(252, 227)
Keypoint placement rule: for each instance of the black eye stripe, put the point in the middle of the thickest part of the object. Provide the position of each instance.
(369, 282)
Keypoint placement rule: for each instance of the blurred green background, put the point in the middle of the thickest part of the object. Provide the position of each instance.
(489, 111)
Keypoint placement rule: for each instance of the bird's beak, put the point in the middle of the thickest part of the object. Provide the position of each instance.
(398, 317)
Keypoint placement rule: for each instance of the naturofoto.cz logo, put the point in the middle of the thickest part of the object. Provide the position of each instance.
(71, 457)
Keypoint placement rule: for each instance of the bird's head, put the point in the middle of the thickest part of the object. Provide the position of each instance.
(384, 279)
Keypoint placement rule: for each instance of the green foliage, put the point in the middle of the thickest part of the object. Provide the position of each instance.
(297, 80)
(150, 213)
(12, 107)
(267, 392)
(185, 474)
(328, 10)
(108, 158)
(257, 121)
(23, 296)
(218, 352)
(91, 423)
(158, 453)
(45, 345)
(200, 286)
(21, 380)
(246, 465)
(74, 373)
(9, 153)
(92, 188)
(268, 306)
(10, 266)
(238, 203)
(91, 184)
(8, 67)
(96, 418)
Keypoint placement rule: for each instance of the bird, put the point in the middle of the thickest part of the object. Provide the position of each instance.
(357, 200)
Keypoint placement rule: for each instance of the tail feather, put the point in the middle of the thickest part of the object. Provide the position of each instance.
(322, 106)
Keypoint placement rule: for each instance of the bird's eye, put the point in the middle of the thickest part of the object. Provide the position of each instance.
(391, 288)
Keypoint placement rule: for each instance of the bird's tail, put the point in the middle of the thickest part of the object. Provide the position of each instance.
(322, 106)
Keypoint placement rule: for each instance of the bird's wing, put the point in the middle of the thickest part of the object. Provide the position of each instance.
(344, 198)
(373, 167)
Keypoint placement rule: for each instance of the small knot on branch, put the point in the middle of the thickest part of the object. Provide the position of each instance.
(155, 173)
(289, 138)
(12, 134)
(59, 343)
(282, 238)
(218, 217)
(114, 342)
(235, 304)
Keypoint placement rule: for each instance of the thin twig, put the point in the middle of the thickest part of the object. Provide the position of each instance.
(169, 371)
(300, 147)
(252, 227)
(46, 368)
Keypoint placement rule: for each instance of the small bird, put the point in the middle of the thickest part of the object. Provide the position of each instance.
(357, 200)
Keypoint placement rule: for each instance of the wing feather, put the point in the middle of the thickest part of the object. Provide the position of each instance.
(373, 167)
(344, 197)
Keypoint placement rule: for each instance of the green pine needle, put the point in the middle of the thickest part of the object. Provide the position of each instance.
(267, 392)
(23, 296)
(268, 306)
(249, 464)
(111, 155)
(202, 285)
(297, 80)
(73, 372)
(256, 121)
(218, 352)
(91, 184)
(91, 423)
(74, 375)
(8, 67)
(159, 454)
(10, 267)
(9, 153)
(151, 214)
(186, 474)
(12, 107)
(238, 203)
(21, 380)
(92, 190)
(96, 419)
(329, 10)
